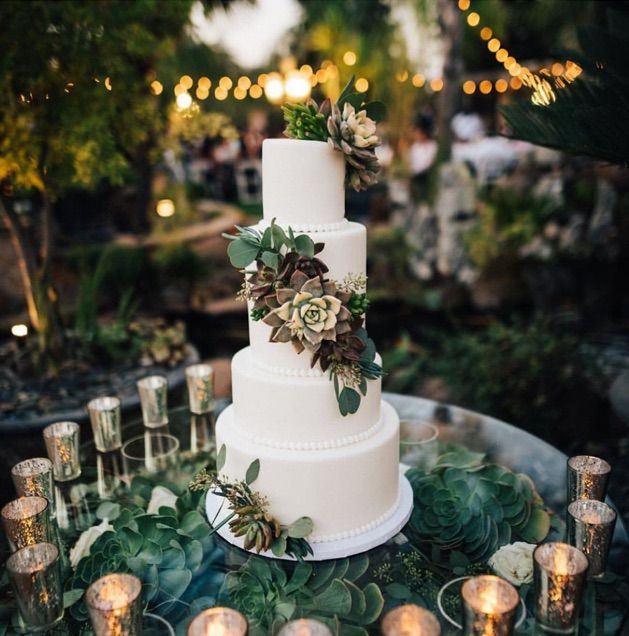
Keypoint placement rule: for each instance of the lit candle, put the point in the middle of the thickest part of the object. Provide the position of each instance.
(105, 419)
(559, 575)
(114, 605)
(410, 620)
(26, 522)
(218, 621)
(489, 606)
(33, 478)
(587, 478)
(590, 529)
(153, 392)
(305, 627)
(200, 381)
(62, 446)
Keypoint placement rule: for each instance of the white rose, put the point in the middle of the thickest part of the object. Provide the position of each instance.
(363, 128)
(161, 496)
(514, 562)
(85, 542)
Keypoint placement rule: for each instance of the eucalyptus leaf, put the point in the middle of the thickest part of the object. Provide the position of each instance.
(271, 259)
(220, 458)
(241, 253)
(349, 401)
(304, 245)
(335, 599)
(71, 597)
(252, 472)
(300, 528)
(132, 541)
(194, 555)
(173, 583)
(374, 604)
(301, 574)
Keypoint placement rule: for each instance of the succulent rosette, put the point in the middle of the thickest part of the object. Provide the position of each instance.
(307, 312)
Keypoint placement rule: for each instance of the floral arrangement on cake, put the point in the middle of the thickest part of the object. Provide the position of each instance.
(349, 126)
(291, 293)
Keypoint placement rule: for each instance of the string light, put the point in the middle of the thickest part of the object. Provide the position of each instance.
(179, 90)
(469, 87)
(165, 208)
(321, 75)
(501, 85)
(297, 86)
(274, 88)
(418, 80)
(306, 70)
(349, 58)
(515, 83)
(240, 93)
(225, 83)
(486, 33)
(502, 55)
(19, 331)
(186, 81)
(485, 87)
(515, 70)
(204, 83)
(473, 19)
(156, 87)
(361, 85)
(464, 5)
(202, 93)
(509, 62)
(402, 76)
(262, 78)
(220, 93)
(108, 83)
(255, 91)
(244, 82)
(184, 101)
(557, 68)
(493, 45)
(436, 85)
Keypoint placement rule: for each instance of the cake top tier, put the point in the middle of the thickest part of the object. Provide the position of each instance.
(303, 182)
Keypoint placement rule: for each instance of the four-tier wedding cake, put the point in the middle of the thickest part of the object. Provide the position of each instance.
(337, 466)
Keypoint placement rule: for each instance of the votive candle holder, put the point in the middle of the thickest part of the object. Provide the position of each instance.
(62, 446)
(559, 572)
(153, 392)
(216, 621)
(587, 478)
(200, 382)
(114, 603)
(489, 606)
(35, 578)
(26, 521)
(591, 529)
(410, 620)
(33, 478)
(305, 627)
(106, 423)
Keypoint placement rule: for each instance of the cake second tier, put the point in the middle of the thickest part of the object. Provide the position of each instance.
(297, 412)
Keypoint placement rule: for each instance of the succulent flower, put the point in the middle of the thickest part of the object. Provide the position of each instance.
(358, 304)
(353, 134)
(514, 562)
(475, 509)
(309, 311)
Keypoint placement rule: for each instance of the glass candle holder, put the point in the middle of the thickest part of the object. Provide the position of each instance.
(410, 620)
(26, 521)
(114, 603)
(62, 446)
(217, 621)
(201, 436)
(489, 606)
(151, 452)
(590, 529)
(35, 578)
(587, 478)
(559, 573)
(105, 419)
(33, 478)
(419, 445)
(153, 392)
(305, 627)
(200, 382)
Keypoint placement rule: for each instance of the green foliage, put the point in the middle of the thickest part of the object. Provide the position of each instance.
(358, 304)
(328, 591)
(179, 263)
(165, 550)
(507, 220)
(305, 121)
(467, 506)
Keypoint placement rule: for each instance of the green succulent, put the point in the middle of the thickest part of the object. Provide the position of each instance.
(307, 121)
(326, 591)
(164, 550)
(358, 304)
(258, 314)
(466, 506)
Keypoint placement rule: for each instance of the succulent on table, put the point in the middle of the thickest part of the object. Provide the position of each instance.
(474, 508)
(327, 591)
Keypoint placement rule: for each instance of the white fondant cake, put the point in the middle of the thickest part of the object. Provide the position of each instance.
(341, 471)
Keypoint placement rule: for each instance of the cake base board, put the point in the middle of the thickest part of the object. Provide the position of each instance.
(216, 509)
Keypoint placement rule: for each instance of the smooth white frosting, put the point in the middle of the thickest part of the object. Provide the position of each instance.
(345, 252)
(285, 409)
(345, 490)
(302, 182)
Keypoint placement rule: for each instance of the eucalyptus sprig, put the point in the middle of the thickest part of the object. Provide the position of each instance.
(250, 517)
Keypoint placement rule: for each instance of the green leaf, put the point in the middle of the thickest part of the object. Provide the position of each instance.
(252, 472)
(270, 259)
(194, 555)
(304, 245)
(108, 510)
(375, 603)
(335, 599)
(173, 583)
(359, 604)
(376, 110)
(358, 565)
(151, 552)
(220, 458)
(278, 547)
(322, 573)
(241, 253)
(300, 528)
(278, 236)
(193, 524)
(301, 574)
(173, 557)
(71, 597)
(133, 540)
(285, 610)
(362, 387)
(348, 89)
(398, 591)
(266, 241)
(349, 401)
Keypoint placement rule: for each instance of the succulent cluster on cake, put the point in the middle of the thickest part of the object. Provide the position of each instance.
(349, 126)
(291, 293)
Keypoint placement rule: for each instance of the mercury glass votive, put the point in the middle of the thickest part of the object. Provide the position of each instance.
(587, 478)
(62, 446)
(410, 620)
(305, 627)
(559, 572)
(35, 578)
(218, 621)
(26, 521)
(489, 606)
(33, 478)
(590, 529)
(153, 392)
(114, 603)
(200, 382)
(105, 419)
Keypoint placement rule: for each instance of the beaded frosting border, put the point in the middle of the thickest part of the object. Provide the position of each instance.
(367, 527)
(311, 227)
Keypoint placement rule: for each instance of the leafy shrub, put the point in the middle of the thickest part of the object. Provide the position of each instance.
(179, 263)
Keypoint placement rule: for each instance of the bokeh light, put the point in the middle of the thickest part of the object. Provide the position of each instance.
(436, 84)
(501, 85)
(165, 208)
(19, 330)
(274, 88)
(485, 87)
(186, 81)
(469, 87)
(418, 80)
(486, 33)
(349, 58)
(473, 19)
(493, 45)
(225, 83)
(362, 85)
(156, 87)
(204, 83)
(255, 91)
(184, 101)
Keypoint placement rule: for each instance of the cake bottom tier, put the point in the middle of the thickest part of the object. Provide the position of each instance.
(345, 491)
